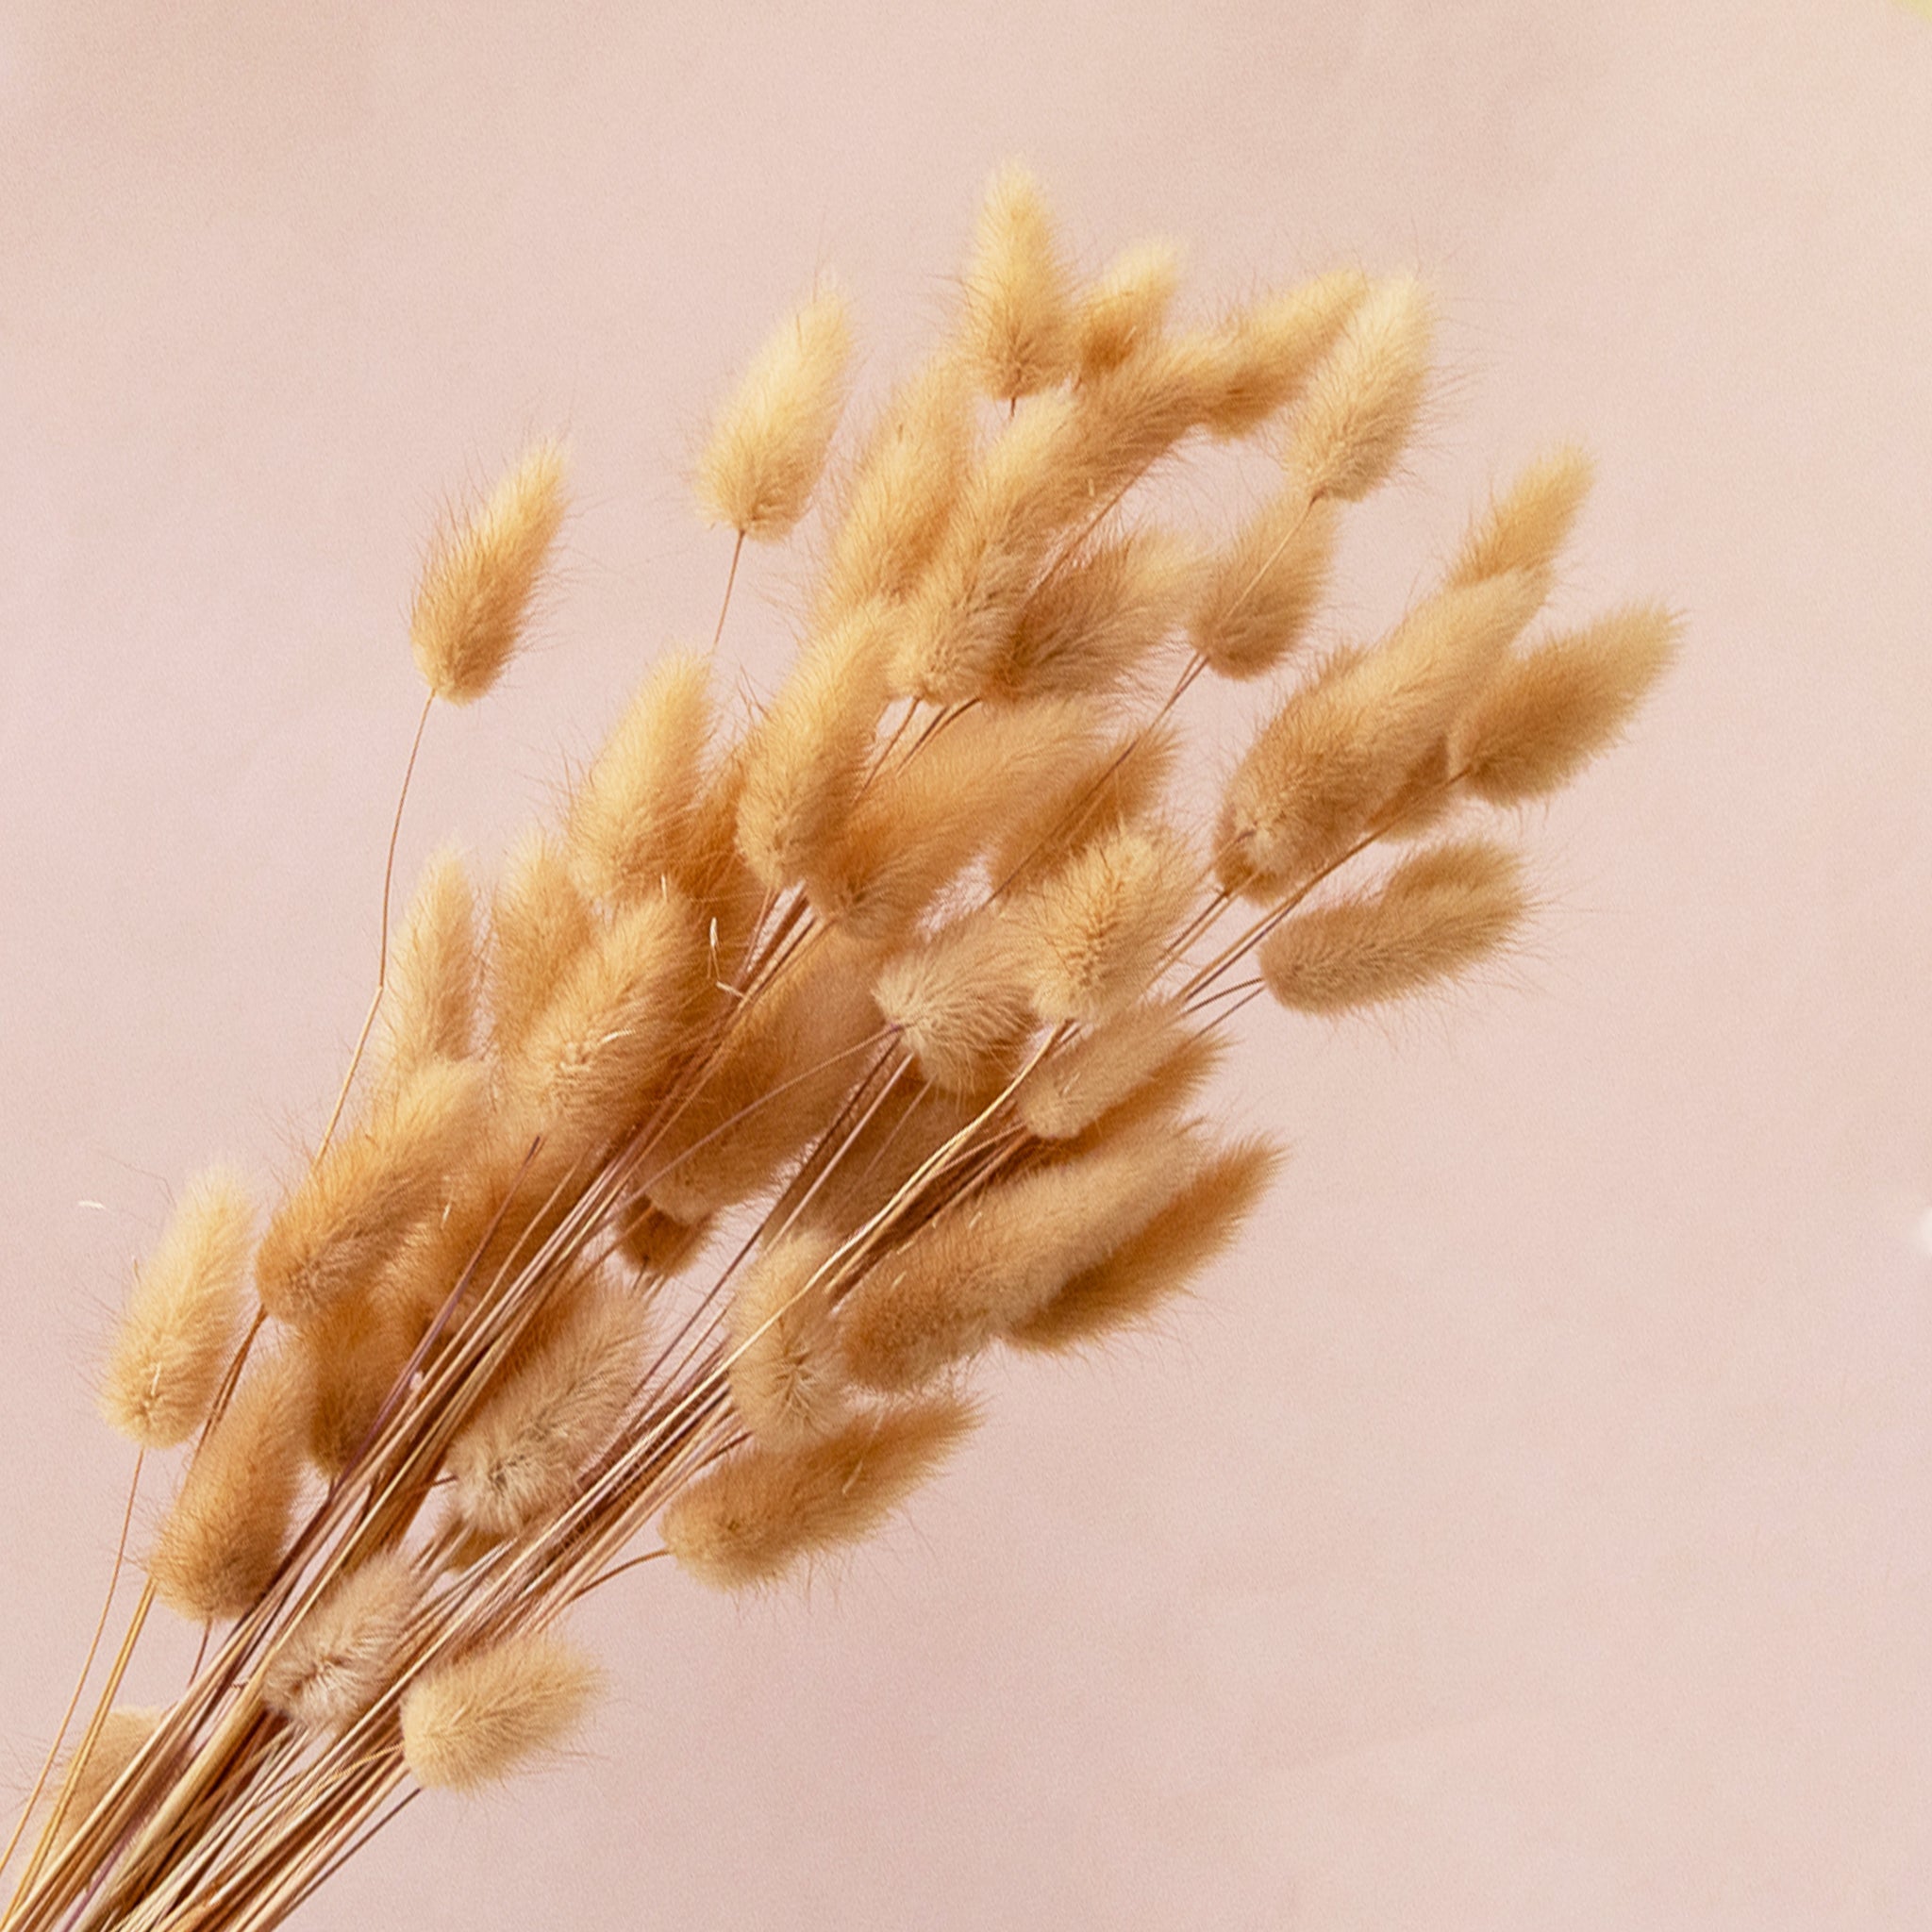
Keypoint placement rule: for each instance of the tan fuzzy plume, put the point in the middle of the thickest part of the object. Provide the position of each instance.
(750, 1519)
(341, 1655)
(221, 1540)
(1526, 526)
(999, 1256)
(895, 508)
(1342, 748)
(1084, 1079)
(1018, 328)
(1114, 785)
(352, 1211)
(589, 1068)
(470, 1722)
(519, 1458)
(356, 1348)
(1553, 709)
(476, 587)
(1365, 397)
(1437, 915)
(87, 1780)
(1199, 1225)
(539, 927)
(436, 980)
(184, 1310)
(805, 759)
(787, 1380)
(766, 447)
(1097, 931)
(1265, 586)
(1126, 308)
(630, 820)
(1267, 352)
(658, 1245)
(960, 1000)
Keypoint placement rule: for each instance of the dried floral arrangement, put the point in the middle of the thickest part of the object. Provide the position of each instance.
(819, 1047)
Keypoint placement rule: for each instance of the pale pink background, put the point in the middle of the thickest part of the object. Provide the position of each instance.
(1529, 1527)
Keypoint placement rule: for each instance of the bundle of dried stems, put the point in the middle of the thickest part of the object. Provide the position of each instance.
(810, 1052)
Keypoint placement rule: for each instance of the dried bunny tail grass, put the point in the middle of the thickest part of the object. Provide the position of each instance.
(540, 926)
(357, 1347)
(1018, 327)
(353, 1207)
(519, 1458)
(436, 980)
(960, 1000)
(221, 1540)
(658, 1244)
(751, 1518)
(999, 1256)
(786, 1381)
(1197, 1226)
(1365, 397)
(473, 1721)
(1265, 586)
(1114, 784)
(768, 445)
(896, 508)
(1344, 745)
(1267, 352)
(930, 816)
(1526, 526)
(1437, 915)
(787, 1061)
(1095, 621)
(1124, 308)
(806, 757)
(178, 1328)
(342, 1654)
(1081, 1081)
(1097, 930)
(1553, 709)
(591, 1065)
(475, 590)
(87, 1779)
(631, 818)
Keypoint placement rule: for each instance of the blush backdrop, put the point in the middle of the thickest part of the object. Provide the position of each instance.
(1529, 1526)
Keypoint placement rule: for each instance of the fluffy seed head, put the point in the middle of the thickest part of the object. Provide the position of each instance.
(472, 1722)
(767, 448)
(1125, 309)
(223, 1538)
(656, 1245)
(341, 1656)
(1267, 352)
(1365, 397)
(355, 1348)
(352, 1211)
(1083, 1079)
(85, 1781)
(540, 926)
(1526, 526)
(787, 1379)
(1098, 929)
(1196, 1226)
(1265, 586)
(750, 1519)
(1437, 915)
(1018, 329)
(476, 587)
(871, 1157)
(1114, 784)
(960, 1001)
(431, 1010)
(178, 1328)
(1553, 709)
(629, 819)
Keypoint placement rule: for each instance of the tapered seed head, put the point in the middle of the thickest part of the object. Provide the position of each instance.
(471, 1721)
(1525, 528)
(1365, 397)
(1083, 1079)
(787, 1380)
(1553, 709)
(221, 1540)
(960, 1000)
(1124, 308)
(1266, 354)
(342, 1654)
(183, 1313)
(752, 1518)
(1439, 913)
(483, 571)
(540, 926)
(356, 1348)
(84, 1780)
(1262, 590)
(1150, 1267)
(436, 982)
(1018, 327)
(768, 445)
(1113, 784)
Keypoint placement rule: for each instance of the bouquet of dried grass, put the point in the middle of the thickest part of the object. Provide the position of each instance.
(812, 1051)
